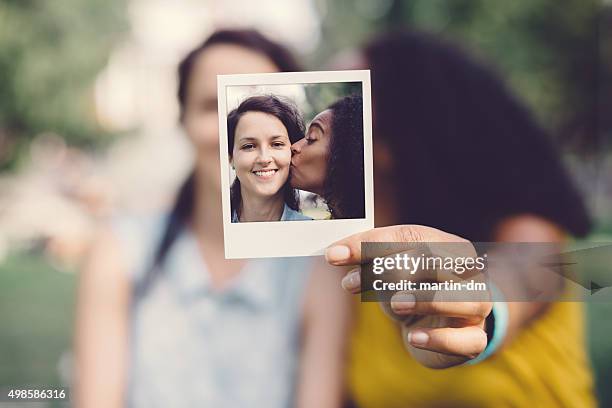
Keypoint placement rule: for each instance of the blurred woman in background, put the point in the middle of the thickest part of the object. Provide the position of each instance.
(328, 161)
(164, 320)
(454, 150)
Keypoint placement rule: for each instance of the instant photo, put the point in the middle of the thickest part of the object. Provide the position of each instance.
(296, 161)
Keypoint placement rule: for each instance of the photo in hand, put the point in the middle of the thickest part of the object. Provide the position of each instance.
(296, 161)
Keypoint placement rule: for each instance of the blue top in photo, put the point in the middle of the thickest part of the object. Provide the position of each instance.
(288, 215)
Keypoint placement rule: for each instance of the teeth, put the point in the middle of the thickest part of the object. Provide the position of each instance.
(265, 173)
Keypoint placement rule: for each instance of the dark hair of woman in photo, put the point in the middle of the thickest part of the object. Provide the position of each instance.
(183, 208)
(462, 147)
(328, 161)
(285, 111)
(344, 182)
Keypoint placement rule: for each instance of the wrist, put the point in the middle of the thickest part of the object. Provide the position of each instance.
(496, 326)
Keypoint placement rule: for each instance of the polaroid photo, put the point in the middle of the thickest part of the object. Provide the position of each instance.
(296, 161)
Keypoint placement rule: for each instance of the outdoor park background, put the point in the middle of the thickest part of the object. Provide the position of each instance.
(87, 105)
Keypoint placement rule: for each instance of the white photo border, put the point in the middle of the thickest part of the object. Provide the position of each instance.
(291, 238)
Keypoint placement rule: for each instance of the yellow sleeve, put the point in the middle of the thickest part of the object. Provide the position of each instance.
(545, 366)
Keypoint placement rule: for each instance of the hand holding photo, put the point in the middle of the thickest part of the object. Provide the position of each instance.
(294, 147)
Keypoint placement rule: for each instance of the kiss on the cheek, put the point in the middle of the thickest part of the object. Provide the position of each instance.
(328, 161)
(273, 157)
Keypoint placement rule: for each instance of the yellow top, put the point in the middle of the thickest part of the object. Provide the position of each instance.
(546, 366)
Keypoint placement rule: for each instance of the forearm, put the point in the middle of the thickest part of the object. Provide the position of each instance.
(99, 378)
(520, 315)
(100, 342)
(526, 228)
(325, 331)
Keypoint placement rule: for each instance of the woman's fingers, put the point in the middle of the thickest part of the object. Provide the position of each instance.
(352, 281)
(466, 342)
(411, 303)
(348, 250)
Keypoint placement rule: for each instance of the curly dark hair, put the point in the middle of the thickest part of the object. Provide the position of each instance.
(344, 189)
(285, 111)
(479, 153)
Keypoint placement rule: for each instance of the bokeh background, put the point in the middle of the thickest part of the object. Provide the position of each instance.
(89, 124)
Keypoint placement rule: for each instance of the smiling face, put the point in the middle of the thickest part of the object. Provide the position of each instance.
(261, 155)
(311, 154)
(200, 119)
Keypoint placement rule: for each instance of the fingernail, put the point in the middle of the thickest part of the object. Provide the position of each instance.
(418, 338)
(352, 281)
(402, 302)
(337, 254)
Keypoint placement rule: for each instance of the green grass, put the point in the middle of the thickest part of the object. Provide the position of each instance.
(36, 317)
(599, 330)
(600, 347)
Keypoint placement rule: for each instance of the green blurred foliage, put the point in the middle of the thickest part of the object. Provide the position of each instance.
(547, 50)
(320, 96)
(50, 53)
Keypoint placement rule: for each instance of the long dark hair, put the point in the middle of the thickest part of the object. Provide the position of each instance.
(466, 153)
(182, 211)
(344, 189)
(285, 111)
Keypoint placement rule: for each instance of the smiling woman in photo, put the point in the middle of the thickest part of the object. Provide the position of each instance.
(329, 160)
(260, 133)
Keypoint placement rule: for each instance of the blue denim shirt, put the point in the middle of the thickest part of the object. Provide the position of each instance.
(195, 345)
(288, 215)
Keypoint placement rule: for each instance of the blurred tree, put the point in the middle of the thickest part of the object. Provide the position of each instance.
(320, 96)
(549, 52)
(50, 52)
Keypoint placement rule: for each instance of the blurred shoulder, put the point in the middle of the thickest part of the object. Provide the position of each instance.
(134, 225)
(134, 237)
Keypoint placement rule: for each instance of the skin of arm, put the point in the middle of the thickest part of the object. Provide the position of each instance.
(101, 329)
(448, 333)
(526, 228)
(326, 321)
